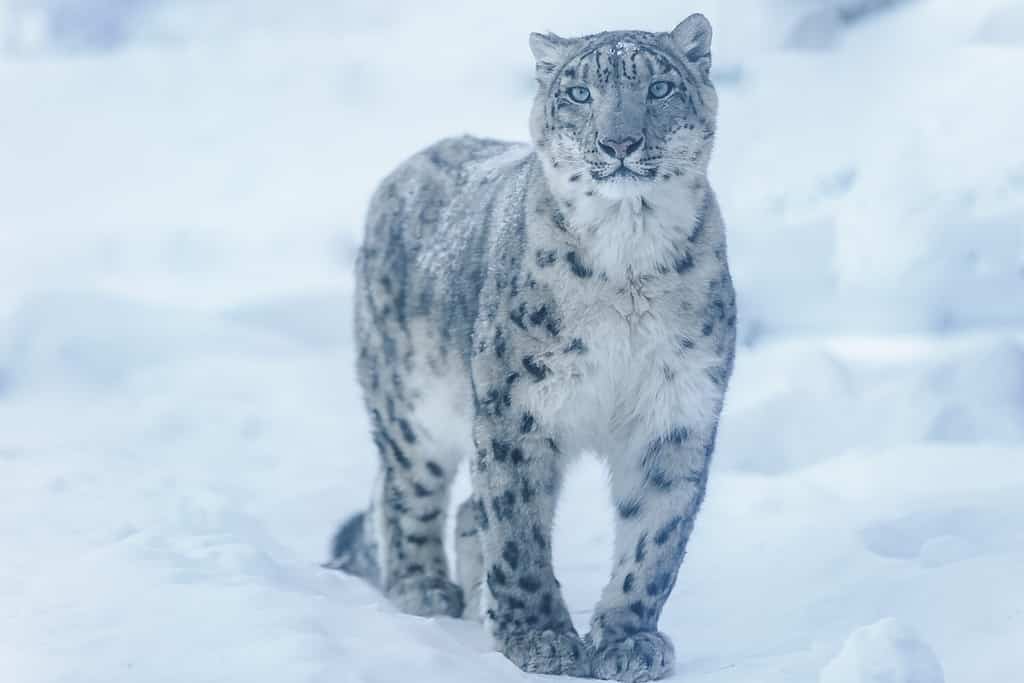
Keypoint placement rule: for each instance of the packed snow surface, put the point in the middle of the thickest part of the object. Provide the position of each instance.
(181, 192)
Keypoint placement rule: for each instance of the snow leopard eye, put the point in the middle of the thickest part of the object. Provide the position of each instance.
(579, 94)
(660, 90)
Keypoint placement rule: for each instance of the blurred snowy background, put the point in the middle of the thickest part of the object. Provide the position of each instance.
(182, 185)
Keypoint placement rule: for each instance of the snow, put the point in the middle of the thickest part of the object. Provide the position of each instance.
(884, 652)
(181, 193)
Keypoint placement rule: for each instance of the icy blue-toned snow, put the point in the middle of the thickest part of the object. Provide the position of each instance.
(181, 194)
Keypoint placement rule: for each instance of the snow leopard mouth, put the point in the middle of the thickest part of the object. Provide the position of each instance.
(623, 172)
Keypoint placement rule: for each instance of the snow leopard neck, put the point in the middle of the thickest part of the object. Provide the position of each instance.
(629, 229)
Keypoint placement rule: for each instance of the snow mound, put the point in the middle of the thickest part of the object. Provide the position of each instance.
(994, 373)
(822, 27)
(97, 339)
(36, 26)
(786, 406)
(1005, 25)
(884, 652)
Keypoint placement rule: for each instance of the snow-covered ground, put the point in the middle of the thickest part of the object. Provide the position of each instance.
(181, 191)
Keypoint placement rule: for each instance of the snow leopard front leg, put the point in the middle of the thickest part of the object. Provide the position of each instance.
(657, 495)
(517, 474)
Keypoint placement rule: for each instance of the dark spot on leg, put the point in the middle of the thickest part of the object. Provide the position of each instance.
(629, 508)
(499, 575)
(530, 584)
(641, 548)
(627, 583)
(717, 374)
(526, 491)
(500, 449)
(664, 532)
(539, 315)
(698, 227)
(559, 220)
(546, 257)
(660, 584)
(576, 346)
(499, 342)
(406, 429)
(482, 519)
(511, 554)
(518, 315)
(429, 516)
(527, 424)
(659, 480)
(683, 263)
(536, 368)
(435, 469)
(578, 269)
(387, 445)
(538, 537)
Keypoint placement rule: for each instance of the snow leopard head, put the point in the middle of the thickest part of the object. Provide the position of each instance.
(625, 108)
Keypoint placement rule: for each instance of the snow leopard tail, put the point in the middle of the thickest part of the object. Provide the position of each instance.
(354, 551)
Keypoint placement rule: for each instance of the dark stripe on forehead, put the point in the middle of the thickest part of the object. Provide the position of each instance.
(602, 72)
(655, 59)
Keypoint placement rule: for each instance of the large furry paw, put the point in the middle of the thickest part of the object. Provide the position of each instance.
(643, 656)
(547, 652)
(427, 596)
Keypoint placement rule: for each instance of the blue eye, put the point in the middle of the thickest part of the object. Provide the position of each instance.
(660, 90)
(579, 94)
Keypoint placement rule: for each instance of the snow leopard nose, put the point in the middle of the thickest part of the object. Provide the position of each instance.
(620, 149)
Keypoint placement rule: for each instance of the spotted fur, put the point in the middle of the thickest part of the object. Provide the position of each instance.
(519, 304)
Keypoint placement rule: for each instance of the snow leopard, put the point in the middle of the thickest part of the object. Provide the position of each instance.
(520, 304)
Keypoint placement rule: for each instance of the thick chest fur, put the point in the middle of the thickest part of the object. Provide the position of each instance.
(632, 358)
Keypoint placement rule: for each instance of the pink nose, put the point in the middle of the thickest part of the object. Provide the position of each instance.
(620, 149)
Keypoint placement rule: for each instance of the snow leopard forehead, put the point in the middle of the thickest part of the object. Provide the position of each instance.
(626, 54)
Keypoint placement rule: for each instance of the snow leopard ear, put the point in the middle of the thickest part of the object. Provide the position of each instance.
(693, 39)
(550, 51)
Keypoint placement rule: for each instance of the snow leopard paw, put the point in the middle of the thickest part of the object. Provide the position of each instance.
(427, 596)
(640, 657)
(547, 652)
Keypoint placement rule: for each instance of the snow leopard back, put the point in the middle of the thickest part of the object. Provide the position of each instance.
(424, 257)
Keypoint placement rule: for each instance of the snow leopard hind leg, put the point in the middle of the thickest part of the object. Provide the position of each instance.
(397, 544)
(408, 384)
